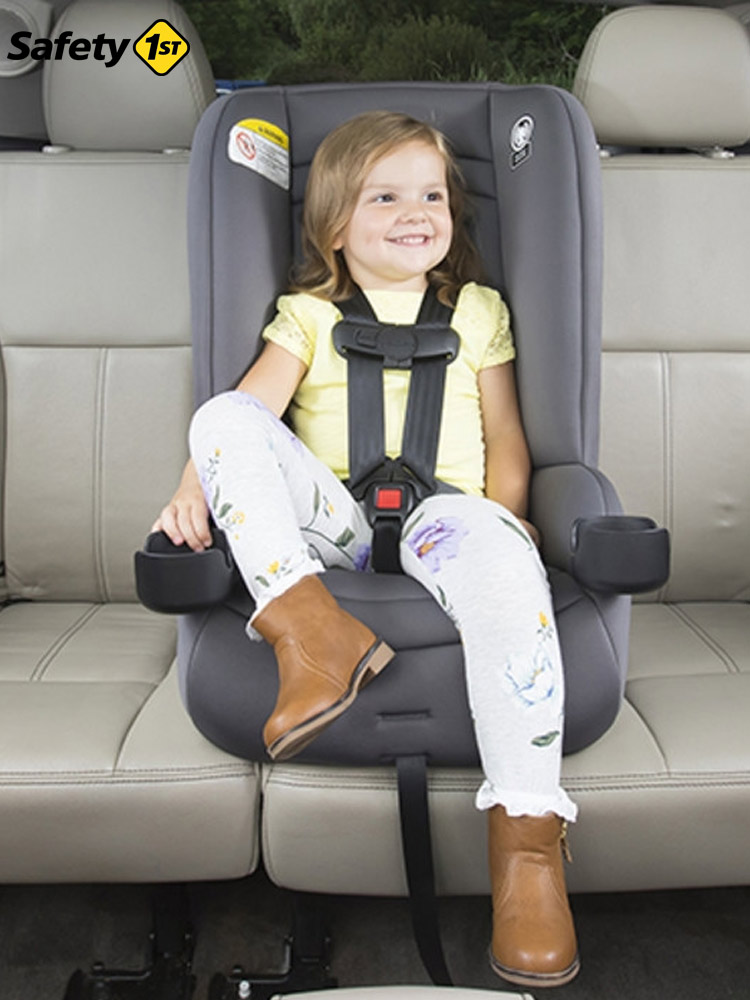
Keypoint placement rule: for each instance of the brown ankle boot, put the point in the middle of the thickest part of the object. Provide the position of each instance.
(324, 657)
(533, 938)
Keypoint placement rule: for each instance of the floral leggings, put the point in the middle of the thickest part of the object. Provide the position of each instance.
(470, 553)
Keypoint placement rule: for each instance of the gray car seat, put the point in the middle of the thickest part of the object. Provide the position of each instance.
(531, 166)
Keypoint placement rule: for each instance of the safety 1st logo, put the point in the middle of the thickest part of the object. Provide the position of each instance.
(161, 47)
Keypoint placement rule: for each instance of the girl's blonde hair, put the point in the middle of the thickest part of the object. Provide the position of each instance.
(339, 167)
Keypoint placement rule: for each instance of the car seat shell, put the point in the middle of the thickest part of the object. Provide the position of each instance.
(538, 228)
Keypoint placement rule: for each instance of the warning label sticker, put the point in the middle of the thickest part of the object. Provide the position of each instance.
(262, 147)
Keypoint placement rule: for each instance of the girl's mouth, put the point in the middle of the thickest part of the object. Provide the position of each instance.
(416, 240)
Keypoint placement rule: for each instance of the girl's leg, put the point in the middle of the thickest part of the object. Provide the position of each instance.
(285, 514)
(287, 517)
(479, 563)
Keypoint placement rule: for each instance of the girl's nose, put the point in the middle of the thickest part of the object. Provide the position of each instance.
(411, 210)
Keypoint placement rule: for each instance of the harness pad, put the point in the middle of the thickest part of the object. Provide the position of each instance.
(397, 346)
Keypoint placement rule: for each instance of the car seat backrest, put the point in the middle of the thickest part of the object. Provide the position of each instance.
(94, 309)
(659, 82)
(532, 167)
(529, 158)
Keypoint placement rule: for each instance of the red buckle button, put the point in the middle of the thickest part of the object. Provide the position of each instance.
(388, 498)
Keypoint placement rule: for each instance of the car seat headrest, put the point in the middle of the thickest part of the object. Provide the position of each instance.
(667, 76)
(90, 105)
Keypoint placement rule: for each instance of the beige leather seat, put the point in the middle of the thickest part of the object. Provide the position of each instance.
(665, 794)
(102, 775)
(668, 796)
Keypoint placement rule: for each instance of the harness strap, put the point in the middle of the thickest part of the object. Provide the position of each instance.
(369, 346)
(366, 435)
(424, 411)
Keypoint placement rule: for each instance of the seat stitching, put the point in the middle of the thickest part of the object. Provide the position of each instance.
(652, 734)
(708, 640)
(129, 728)
(62, 640)
(637, 782)
(107, 777)
(98, 472)
(668, 445)
(592, 783)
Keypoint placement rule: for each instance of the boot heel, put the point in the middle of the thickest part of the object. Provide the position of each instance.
(379, 657)
(291, 743)
(324, 656)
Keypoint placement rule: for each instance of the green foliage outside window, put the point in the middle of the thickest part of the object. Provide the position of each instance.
(305, 41)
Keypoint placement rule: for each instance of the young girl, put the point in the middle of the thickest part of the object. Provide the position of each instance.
(384, 210)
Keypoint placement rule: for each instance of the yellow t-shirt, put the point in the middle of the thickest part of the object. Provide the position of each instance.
(303, 326)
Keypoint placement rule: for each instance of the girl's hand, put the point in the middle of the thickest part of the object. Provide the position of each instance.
(185, 518)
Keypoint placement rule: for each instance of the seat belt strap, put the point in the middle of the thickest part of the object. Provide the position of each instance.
(411, 774)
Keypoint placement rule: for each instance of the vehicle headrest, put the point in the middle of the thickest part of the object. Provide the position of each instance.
(126, 106)
(667, 76)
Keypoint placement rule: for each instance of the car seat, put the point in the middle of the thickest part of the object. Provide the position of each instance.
(538, 229)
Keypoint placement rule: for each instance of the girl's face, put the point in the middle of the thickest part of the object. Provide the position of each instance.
(401, 226)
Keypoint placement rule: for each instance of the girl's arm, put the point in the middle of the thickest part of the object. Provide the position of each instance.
(507, 460)
(273, 379)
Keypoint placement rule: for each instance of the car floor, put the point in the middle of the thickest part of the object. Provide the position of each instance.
(686, 944)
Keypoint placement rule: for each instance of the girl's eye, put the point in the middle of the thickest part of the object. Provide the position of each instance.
(434, 196)
(384, 199)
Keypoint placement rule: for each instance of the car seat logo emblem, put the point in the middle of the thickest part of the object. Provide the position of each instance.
(161, 47)
(520, 140)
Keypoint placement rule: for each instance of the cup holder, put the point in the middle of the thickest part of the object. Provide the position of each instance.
(174, 579)
(620, 554)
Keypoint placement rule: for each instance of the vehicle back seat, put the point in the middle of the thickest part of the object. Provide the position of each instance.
(102, 775)
(666, 795)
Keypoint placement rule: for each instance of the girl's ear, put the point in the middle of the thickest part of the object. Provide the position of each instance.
(338, 242)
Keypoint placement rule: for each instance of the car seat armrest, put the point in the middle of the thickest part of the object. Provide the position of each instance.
(559, 496)
(174, 579)
(585, 533)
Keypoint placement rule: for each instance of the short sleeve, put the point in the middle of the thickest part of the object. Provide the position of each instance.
(484, 313)
(500, 348)
(294, 327)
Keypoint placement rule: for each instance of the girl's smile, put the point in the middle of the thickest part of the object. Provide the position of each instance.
(401, 226)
